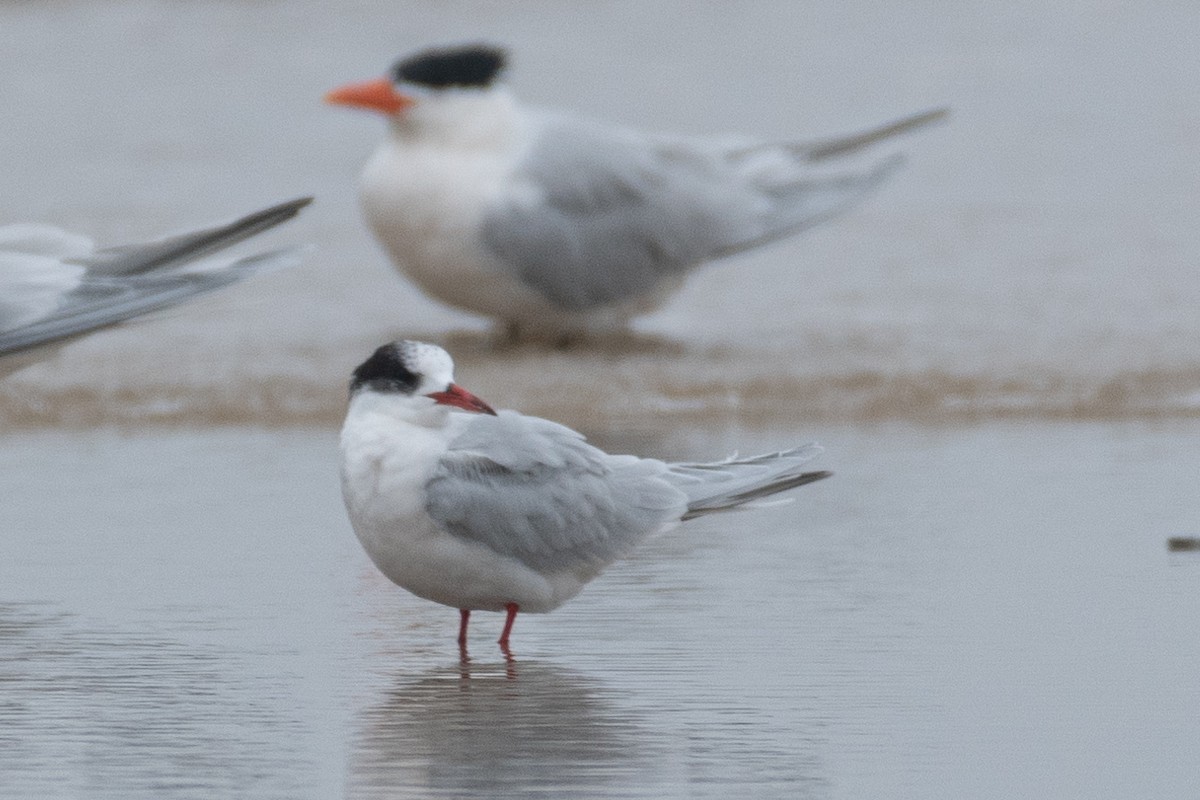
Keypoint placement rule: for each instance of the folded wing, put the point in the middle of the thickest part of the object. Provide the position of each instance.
(536, 491)
(596, 216)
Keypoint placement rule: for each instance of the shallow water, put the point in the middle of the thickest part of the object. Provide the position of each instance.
(981, 612)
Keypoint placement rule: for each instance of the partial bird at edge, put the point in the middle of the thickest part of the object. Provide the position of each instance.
(55, 287)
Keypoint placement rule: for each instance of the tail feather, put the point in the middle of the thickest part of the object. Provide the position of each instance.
(812, 198)
(725, 485)
(815, 199)
(807, 183)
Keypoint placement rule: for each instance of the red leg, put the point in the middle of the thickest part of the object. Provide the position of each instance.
(512, 609)
(462, 627)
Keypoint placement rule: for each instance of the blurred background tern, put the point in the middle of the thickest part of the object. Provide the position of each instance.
(554, 224)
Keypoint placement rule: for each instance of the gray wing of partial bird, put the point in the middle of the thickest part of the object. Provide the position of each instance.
(595, 215)
(107, 300)
(125, 282)
(175, 251)
(536, 491)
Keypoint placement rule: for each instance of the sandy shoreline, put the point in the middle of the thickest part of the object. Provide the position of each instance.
(634, 380)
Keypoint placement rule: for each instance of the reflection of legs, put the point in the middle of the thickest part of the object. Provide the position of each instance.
(511, 608)
(462, 626)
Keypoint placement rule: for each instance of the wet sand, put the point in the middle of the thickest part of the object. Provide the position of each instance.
(637, 380)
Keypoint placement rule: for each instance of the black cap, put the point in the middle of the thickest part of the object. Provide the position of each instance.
(387, 370)
(470, 65)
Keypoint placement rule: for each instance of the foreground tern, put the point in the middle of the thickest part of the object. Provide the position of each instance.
(476, 509)
(55, 285)
(557, 225)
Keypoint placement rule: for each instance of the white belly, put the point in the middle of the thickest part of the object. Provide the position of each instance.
(426, 207)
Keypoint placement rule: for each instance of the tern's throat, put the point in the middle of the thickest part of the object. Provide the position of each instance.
(368, 407)
(460, 120)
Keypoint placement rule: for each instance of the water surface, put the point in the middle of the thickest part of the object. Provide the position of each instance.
(189, 615)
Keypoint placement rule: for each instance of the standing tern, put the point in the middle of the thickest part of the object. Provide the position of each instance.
(557, 225)
(497, 511)
(55, 285)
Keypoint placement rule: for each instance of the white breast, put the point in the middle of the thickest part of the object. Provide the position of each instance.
(386, 462)
(426, 189)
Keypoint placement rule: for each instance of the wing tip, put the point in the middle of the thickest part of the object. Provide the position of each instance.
(846, 145)
(271, 216)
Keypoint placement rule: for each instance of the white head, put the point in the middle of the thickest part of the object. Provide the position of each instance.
(414, 369)
(447, 94)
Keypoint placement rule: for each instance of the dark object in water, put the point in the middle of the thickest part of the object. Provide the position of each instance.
(1178, 543)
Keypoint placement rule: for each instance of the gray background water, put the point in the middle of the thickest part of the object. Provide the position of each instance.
(1036, 257)
(999, 353)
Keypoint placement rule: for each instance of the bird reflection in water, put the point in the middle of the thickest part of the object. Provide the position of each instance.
(464, 658)
(499, 729)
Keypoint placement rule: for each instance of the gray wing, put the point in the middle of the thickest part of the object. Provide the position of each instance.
(537, 492)
(126, 282)
(105, 301)
(840, 146)
(175, 251)
(598, 215)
